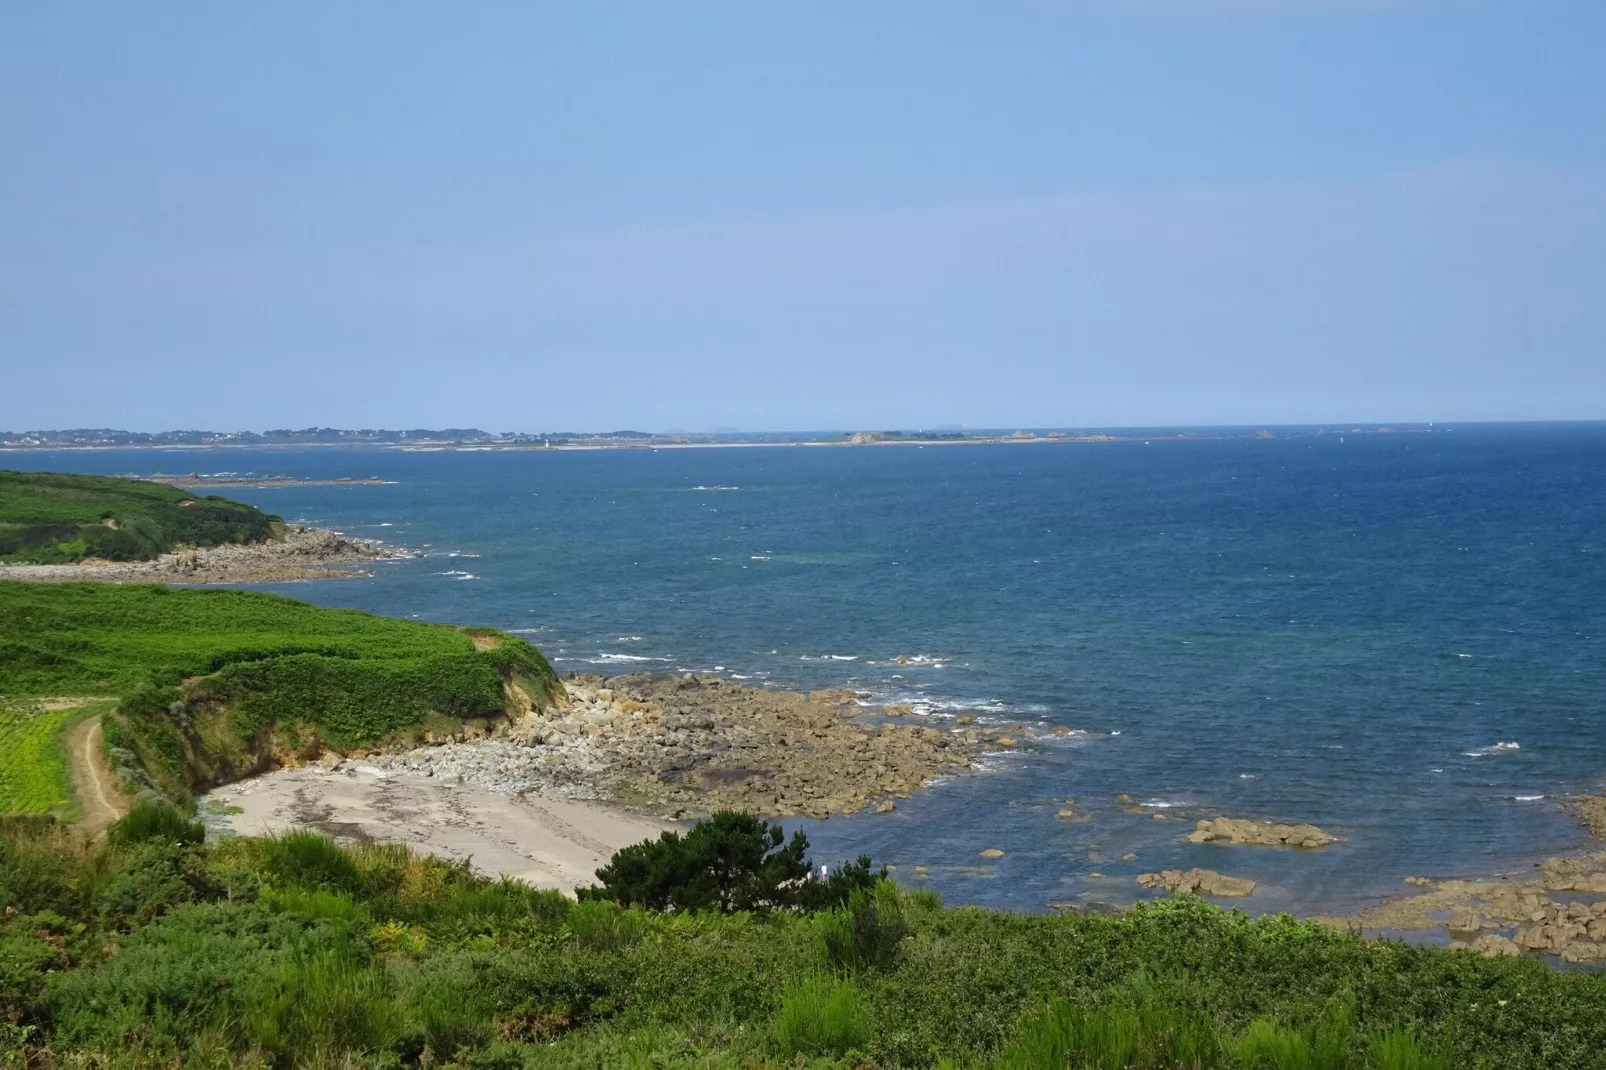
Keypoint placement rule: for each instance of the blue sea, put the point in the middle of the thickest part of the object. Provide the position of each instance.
(1323, 626)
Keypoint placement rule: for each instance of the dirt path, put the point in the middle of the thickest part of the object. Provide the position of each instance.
(92, 782)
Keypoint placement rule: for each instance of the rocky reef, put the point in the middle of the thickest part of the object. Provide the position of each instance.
(1197, 881)
(1556, 914)
(1233, 831)
(687, 745)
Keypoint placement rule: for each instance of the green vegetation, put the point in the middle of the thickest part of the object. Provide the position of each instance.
(33, 766)
(215, 684)
(731, 862)
(54, 517)
(152, 949)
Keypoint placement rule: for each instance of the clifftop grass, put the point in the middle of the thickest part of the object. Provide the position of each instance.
(218, 683)
(54, 517)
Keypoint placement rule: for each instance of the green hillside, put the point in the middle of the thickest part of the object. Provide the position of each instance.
(214, 684)
(55, 517)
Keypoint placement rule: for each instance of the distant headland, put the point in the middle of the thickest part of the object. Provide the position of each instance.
(458, 438)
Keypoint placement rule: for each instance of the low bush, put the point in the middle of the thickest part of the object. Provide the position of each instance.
(155, 821)
(866, 932)
(821, 1017)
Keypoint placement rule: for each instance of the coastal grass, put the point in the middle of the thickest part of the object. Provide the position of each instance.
(213, 684)
(57, 517)
(154, 950)
(33, 763)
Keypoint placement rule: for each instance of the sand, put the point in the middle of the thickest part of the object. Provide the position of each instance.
(544, 839)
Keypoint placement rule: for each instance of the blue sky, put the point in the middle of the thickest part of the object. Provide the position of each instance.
(783, 216)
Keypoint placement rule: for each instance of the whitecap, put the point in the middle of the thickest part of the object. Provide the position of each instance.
(628, 639)
(759, 557)
(1161, 804)
(604, 658)
(1248, 776)
(387, 524)
(1527, 798)
(1484, 752)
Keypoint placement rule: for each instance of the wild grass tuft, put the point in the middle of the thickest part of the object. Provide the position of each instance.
(155, 821)
(821, 1016)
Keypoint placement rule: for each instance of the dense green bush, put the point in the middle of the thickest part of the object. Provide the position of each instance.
(731, 862)
(161, 822)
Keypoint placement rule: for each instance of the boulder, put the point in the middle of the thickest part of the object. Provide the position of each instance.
(1492, 944)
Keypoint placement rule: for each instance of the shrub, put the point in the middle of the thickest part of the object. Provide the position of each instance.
(310, 859)
(821, 1017)
(1157, 1035)
(1398, 1049)
(731, 862)
(865, 934)
(155, 876)
(602, 925)
(155, 821)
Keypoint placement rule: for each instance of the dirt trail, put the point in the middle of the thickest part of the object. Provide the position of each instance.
(91, 780)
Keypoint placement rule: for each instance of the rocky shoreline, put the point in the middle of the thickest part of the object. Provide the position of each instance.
(684, 746)
(302, 554)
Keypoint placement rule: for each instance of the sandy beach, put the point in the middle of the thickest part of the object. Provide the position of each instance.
(544, 839)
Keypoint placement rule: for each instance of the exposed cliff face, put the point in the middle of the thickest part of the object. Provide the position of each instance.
(251, 716)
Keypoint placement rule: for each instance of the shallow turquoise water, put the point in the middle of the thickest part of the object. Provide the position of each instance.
(1332, 628)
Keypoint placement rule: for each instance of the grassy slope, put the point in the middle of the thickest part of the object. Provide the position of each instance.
(52, 517)
(296, 952)
(215, 682)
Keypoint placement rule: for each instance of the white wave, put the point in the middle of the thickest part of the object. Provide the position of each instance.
(604, 658)
(386, 524)
(1248, 776)
(715, 486)
(759, 557)
(628, 639)
(1116, 732)
(1484, 752)
(458, 574)
(928, 660)
(1463, 655)
(828, 657)
(1527, 798)
(1161, 804)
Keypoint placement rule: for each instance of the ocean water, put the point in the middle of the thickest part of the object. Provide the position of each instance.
(1326, 627)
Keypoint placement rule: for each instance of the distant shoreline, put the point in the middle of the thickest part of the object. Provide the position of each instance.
(672, 442)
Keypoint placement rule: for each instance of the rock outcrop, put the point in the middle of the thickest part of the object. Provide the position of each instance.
(1572, 928)
(1199, 882)
(1233, 831)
